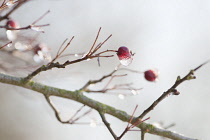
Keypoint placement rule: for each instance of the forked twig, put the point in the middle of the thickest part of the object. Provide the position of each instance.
(41, 17)
(31, 26)
(179, 80)
(131, 124)
(108, 125)
(51, 65)
(72, 120)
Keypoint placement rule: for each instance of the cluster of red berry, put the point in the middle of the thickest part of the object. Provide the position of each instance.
(126, 56)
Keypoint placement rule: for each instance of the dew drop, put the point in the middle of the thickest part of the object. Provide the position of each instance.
(126, 61)
(37, 58)
(134, 92)
(9, 45)
(21, 47)
(121, 96)
(93, 123)
(37, 29)
(88, 59)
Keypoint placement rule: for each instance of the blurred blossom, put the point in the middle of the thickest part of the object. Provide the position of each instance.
(93, 123)
(11, 35)
(41, 53)
(134, 92)
(121, 96)
(21, 47)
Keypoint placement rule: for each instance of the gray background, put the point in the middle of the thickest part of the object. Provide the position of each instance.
(172, 36)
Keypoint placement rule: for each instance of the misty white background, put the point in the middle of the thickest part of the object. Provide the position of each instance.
(171, 36)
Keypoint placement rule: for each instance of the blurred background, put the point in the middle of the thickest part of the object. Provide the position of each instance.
(171, 36)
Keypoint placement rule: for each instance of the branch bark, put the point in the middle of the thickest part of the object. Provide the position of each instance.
(79, 97)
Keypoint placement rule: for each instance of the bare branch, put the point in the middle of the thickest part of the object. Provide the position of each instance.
(33, 23)
(94, 42)
(58, 65)
(5, 45)
(107, 124)
(84, 88)
(79, 97)
(179, 80)
(18, 5)
(72, 120)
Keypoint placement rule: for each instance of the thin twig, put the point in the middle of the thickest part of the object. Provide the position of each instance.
(5, 45)
(2, 3)
(24, 28)
(71, 120)
(101, 44)
(179, 80)
(58, 65)
(41, 17)
(79, 117)
(54, 109)
(94, 42)
(19, 4)
(84, 88)
(107, 124)
(75, 114)
(59, 52)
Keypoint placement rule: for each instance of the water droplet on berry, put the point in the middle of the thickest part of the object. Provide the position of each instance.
(124, 55)
(126, 61)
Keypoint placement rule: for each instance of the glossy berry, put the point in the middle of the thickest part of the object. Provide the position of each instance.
(151, 75)
(124, 55)
(12, 24)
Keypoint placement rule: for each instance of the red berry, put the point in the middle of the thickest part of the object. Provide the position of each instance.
(124, 55)
(12, 23)
(150, 75)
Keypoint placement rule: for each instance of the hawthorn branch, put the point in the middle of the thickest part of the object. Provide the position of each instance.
(52, 64)
(72, 120)
(18, 5)
(31, 26)
(178, 81)
(79, 97)
(84, 88)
